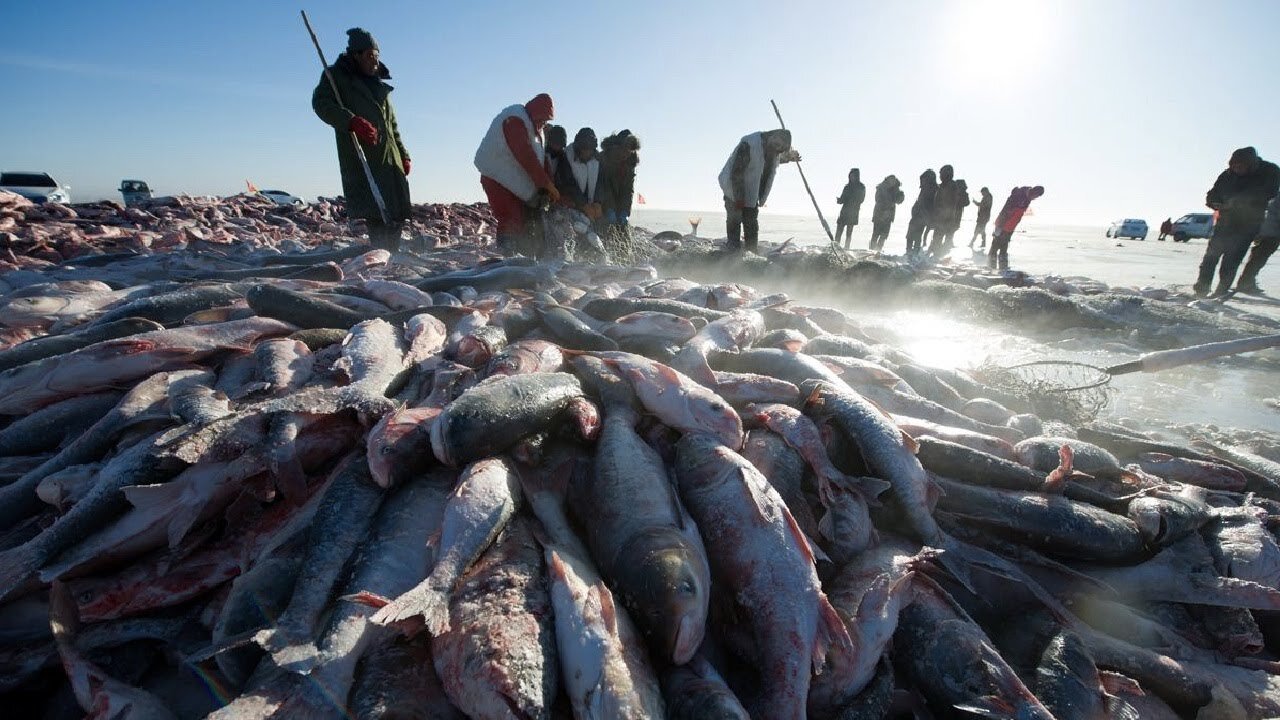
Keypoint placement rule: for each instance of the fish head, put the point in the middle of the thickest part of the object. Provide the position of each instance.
(666, 593)
(586, 417)
(718, 418)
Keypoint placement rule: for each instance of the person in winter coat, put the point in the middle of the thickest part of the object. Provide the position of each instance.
(949, 202)
(1240, 195)
(1266, 244)
(747, 178)
(888, 196)
(557, 139)
(619, 156)
(1166, 229)
(1007, 221)
(850, 202)
(511, 161)
(984, 216)
(363, 108)
(578, 176)
(922, 212)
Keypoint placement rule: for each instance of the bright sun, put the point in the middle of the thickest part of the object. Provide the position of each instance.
(996, 39)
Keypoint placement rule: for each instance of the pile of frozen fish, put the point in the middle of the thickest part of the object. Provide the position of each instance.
(35, 236)
(351, 484)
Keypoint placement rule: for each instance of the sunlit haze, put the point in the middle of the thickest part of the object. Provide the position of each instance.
(1117, 108)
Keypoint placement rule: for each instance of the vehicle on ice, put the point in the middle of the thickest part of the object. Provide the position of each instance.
(38, 187)
(280, 197)
(1128, 228)
(1193, 225)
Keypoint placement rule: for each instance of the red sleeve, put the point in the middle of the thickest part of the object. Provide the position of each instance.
(518, 140)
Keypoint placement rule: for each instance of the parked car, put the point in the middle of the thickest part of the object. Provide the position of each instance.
(1128, 228)
(134, 192)
(1193, 225)
(37, 187)
(281, 197)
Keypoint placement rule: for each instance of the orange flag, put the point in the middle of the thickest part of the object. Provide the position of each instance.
(639, 199)
(252, 188)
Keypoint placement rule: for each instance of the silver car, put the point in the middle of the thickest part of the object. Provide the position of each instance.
(37, 187)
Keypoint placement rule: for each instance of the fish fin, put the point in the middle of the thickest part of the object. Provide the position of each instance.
(1055, 481)
(802, 541)
(831, 633)
(608, 611)
(369, 599)
(818, 553)
(960, 554)
(989, 706)
(255, 635)
(909, 442)
(669, 374)
(870, 487)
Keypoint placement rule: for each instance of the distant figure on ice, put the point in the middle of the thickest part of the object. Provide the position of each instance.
(1166, 229)
(850, 202)
(949, 202)
(578, 175)
(512, 171)
(746, 180)
(1007, 221)
(1266, 244)
(557, 139)
(888, 196)
(364, 108)
(921, 212)
(984, 216)
(1240, 195)
(619, 156)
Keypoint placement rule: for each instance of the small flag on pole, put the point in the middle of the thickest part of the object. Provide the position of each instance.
(252, 188)
(639, 199)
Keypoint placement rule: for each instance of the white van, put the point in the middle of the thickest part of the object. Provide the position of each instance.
(1193, 225)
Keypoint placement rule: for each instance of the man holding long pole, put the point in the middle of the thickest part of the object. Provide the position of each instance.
(354, 99)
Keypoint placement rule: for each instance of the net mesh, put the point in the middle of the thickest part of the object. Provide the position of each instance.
(1072, 392)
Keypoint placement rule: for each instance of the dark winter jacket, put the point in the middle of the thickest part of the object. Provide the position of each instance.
(888, 197)
(948, 204)
(369, 98)
(851, 199)
(1241, 200)
(984, 209)
(618, 159)
(922, 208)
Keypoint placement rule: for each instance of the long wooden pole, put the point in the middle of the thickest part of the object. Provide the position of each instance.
(807, 189)
(364, 162)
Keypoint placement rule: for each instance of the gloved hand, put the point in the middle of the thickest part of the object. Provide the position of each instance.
(552, 193)
(364, 130)
(790, 156)
(593, 211)
(407, 164)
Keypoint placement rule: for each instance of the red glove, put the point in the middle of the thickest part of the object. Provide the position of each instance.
(364, 130)
(407, 164)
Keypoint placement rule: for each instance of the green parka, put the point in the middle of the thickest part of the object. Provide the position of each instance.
(370, 98)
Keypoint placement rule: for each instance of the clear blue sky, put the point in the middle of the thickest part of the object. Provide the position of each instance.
(1118, 108)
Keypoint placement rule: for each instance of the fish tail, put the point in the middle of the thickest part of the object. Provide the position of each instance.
(960, 558)
(430, 604)
(831, 633)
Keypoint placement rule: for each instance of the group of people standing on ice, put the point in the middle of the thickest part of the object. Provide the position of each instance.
(525, 164)
(936, 214)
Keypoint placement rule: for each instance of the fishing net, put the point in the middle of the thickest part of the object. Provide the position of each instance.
(1072, 392)
(626, 247)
